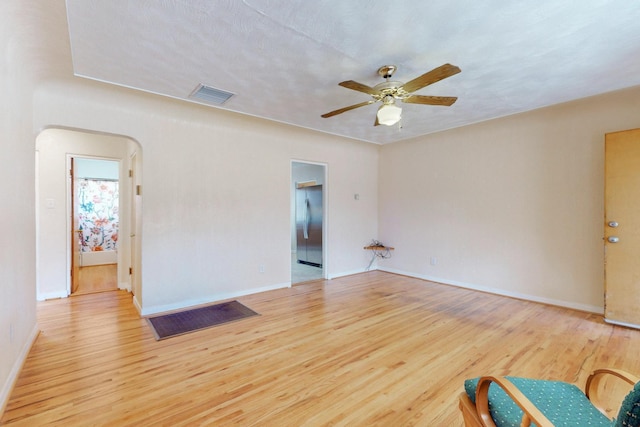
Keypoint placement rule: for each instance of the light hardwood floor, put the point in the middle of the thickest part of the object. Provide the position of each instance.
(365, 350)
(97, 278)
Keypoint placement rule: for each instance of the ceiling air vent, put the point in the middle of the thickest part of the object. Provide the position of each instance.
(210, 95)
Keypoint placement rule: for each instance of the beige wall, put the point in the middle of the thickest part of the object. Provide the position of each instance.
(513, 205)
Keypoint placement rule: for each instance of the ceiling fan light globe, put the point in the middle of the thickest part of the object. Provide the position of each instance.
(389, 114)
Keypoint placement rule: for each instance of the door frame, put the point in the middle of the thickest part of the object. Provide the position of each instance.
(325, 211)
(135, 224)
(71, 232)
(75, 246)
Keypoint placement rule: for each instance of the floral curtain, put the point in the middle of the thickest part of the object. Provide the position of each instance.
(97, 214)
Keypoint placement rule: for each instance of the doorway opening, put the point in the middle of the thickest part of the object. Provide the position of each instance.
(308, 195)
(95, 207)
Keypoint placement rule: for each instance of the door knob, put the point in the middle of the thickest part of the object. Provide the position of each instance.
(613, 239)
(612, 224)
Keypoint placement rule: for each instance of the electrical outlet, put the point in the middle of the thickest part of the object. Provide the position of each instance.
(261, 268)
(434, 260)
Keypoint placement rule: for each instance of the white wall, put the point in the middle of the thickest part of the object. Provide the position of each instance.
(23, 63)
(513, 206)
(216, 191)
(216, 188)
(216, 185)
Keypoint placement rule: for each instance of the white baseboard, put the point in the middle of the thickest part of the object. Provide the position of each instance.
(136, 304)
(628, 325)
(51, 295)
(348, 273)
(149, 311)
(5, 393)
(502, 292)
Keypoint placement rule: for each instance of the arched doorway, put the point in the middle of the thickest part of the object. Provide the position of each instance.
(55, 149)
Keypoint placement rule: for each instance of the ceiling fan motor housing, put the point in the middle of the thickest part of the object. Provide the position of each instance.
(390, 88)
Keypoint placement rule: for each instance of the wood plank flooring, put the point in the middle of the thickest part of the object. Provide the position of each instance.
(373, 349)
(97, 278)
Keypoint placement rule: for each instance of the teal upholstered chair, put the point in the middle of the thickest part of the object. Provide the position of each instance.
(512, 401)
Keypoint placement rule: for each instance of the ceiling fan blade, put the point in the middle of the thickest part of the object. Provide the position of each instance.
(435, 75)
(351, 107)
(431, 100)
(350, 84)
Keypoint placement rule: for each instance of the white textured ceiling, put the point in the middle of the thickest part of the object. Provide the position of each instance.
(283, 59)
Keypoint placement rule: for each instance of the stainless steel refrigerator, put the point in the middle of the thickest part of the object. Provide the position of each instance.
(309, 225)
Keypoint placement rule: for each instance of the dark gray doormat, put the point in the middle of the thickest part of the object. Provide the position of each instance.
(173, 324)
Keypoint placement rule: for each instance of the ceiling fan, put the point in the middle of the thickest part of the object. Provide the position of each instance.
(389, 92)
